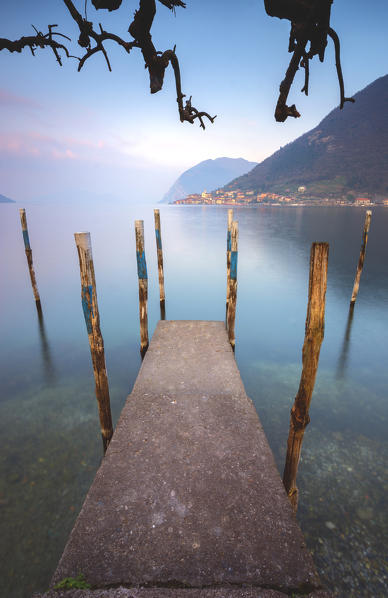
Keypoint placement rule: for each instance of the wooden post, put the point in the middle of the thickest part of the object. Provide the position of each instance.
(231, 316)
(143, 285)
(361, 258)
(159, 251)
(23, 219)
(228, 252)
(314, 332)
(96, 343)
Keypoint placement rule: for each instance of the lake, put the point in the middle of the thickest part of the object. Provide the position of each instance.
(51, 445)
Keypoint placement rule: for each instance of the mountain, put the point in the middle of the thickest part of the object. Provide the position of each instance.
(4, 199)
(345, 156)
(207, 175)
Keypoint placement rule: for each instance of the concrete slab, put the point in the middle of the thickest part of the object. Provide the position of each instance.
(188, 494)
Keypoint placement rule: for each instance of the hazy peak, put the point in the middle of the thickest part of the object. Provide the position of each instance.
(208, 174)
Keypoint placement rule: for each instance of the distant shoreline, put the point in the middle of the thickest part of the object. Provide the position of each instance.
(311, 204)
(238, 197)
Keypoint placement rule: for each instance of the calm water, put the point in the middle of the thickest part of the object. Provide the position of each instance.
(51, 446)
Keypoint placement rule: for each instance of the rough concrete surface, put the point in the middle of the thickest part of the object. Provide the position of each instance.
(188, 494)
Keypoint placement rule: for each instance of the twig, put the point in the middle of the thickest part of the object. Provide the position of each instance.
(336, 41)
(310, 22)
(171, 4)
(188, 112)
(305, 64)
(282, 111)
(157, 62)
(87, 32)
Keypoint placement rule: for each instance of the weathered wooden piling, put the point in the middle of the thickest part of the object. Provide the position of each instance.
(232, 300)
(361, 258)
(314, 332)
(143, 285)
(96, 343)
(159, 250)
(27, 247)
(228, 252)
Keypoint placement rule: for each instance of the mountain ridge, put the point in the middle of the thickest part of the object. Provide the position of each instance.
(345, 155)
(4, 199)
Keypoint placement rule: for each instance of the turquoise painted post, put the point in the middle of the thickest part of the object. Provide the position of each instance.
(27, 247)
(233, 285)
(228, 252)
(143, 286)
(159, 251)
(96, 342)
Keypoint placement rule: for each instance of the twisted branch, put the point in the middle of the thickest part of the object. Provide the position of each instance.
(310, 22)
(336, 41)
(282, 111)
(87, 33)
(187, 112)
(157, 62)
(40, 40)
(99, 47)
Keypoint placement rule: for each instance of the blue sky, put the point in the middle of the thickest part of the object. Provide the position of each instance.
(70, 136)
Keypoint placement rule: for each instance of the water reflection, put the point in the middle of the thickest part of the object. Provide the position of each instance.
(48, 366)
(46, 470)
(163, 309)
(343, 358)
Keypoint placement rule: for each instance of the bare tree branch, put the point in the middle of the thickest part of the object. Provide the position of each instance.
(171, 4)
(310, 22)
(99, 47)
(282, 111)
(93, 41)
(188, 112)
(305, 64)
(157, 62)
(336, 41)
(40, 40)
(87, 32)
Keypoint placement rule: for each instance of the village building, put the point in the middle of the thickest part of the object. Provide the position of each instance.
(362, 200)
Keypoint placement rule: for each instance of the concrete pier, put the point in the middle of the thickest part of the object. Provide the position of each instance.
(188, 501)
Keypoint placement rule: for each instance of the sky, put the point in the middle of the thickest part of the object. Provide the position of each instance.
(67, 136)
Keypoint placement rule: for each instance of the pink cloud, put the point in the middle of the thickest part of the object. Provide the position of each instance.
(84, 142)
(7, 98)
(28, 144)
(33, 144)
(15, 145)
(63, 155)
